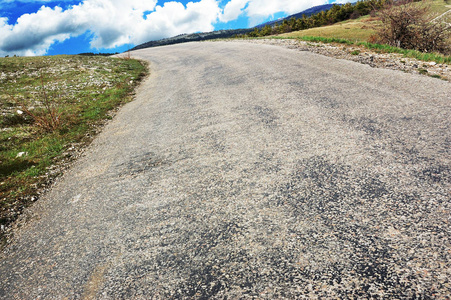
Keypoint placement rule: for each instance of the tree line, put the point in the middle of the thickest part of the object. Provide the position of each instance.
(335, 14)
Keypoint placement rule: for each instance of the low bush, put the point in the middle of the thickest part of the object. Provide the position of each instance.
(410, 25)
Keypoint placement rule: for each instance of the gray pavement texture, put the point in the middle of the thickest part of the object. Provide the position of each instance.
(251, 171)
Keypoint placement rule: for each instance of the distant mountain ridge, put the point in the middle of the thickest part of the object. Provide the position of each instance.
(194, 37)
(308, 12)
(218, 34)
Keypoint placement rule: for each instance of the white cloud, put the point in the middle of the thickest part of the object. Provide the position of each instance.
(259, 10)
(173, 19)
(233, 10)
(111, 22)
(34, 33)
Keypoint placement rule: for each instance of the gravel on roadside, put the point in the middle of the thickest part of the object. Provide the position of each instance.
(393, 61)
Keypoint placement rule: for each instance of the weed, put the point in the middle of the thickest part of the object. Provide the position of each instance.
(49, 119)
(355, 52)
(422, 71)
(126, 56)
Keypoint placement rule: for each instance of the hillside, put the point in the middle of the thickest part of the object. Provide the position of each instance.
(360, 30)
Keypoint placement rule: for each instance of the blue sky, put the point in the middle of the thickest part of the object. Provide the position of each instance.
(49, 27)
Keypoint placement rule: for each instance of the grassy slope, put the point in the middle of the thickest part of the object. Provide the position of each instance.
(440, 6)
(358, 30)
(82, 90)
(355, 30)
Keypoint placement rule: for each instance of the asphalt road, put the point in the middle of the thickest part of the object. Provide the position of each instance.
(251, 171)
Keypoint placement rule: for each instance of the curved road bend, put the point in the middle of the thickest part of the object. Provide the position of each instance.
(245, 171)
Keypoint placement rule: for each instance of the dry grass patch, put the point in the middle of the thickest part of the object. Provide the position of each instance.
(359, 30)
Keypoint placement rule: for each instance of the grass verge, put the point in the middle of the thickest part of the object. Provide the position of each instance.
(80, 91)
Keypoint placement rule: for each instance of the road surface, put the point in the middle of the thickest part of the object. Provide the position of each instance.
(251, 171)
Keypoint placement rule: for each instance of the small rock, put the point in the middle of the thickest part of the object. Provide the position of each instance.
(432, 63)
(20, 154)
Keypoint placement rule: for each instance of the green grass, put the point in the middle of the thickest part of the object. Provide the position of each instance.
(83, 90)
(436, 57)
